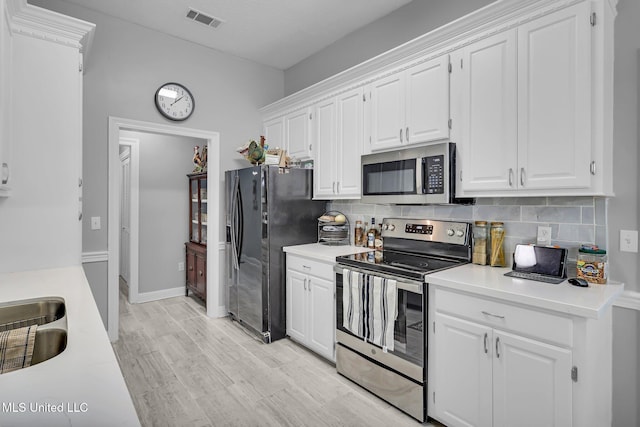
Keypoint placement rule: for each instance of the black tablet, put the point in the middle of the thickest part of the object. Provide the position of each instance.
(543, 263)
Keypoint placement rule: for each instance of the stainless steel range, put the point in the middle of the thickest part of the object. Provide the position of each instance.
(381, 307)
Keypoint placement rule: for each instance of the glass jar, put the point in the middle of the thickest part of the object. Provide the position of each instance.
(592, 265)
(497, 245)
(358, 233)
(480, 235)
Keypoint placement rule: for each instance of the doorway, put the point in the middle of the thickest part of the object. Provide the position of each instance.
(215, 303)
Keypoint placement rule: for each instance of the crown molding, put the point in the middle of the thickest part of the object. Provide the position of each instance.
(33, 21)
(491, 19)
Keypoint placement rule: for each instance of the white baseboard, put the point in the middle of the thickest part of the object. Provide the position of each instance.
(158, 295)
(98, 256)
(628, 299)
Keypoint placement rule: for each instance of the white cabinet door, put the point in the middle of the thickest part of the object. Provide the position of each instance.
(387, 112)
(349, 143)
(531, 383)
(324, 170)
(297, 311)
(274, 133)
(427, 101)
(297, 131)
(321, 312)
(554, 100)
(485, 76)
(5, 103)
(463, 372)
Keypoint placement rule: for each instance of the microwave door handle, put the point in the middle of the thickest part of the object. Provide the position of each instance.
(421, 177)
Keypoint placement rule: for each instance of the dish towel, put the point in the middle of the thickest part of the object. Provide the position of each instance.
(369, 307)
(16, 348)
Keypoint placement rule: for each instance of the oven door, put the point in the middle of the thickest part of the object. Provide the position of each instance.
(408, 356)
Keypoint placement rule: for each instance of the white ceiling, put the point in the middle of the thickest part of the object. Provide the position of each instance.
(278, 33)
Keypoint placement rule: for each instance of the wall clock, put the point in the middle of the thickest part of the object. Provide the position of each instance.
(174, 101)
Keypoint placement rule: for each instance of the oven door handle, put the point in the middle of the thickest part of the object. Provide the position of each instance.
(413, 286)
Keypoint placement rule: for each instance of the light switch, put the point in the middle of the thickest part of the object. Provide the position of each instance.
(628, 240)
(95, 223)
(181, 266)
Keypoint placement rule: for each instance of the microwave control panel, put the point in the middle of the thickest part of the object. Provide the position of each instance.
(433, 170)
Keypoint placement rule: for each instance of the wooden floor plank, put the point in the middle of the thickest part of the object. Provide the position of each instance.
(183, 368)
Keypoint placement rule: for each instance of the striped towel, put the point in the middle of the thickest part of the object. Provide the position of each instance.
(16, 348)
(369, 307)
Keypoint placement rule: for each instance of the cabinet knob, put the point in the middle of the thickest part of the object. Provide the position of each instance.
(200, 272)
(190, 268)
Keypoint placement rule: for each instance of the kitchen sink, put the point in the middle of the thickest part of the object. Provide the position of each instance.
(49, 314)
(39, 311)
(49, 343)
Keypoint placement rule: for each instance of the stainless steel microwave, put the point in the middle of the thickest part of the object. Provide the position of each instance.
(420, 175)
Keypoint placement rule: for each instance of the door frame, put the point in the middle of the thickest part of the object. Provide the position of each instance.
(134, 215)
(215, 307)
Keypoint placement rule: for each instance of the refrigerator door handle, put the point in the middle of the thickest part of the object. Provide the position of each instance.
(233, 222)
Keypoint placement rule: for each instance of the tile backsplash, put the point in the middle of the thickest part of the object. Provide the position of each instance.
(573, 220)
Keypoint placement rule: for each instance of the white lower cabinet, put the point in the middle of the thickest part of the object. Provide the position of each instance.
(311, 304)
(493, 365)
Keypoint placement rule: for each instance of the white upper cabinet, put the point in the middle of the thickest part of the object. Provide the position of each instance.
(526, 93)
(298, 134)
(524, 107)
(484, 112)
(273, 130)
(411, 106)
(338, 141)
(554, 100)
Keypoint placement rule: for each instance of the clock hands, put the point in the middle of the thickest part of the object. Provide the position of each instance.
(177, 100)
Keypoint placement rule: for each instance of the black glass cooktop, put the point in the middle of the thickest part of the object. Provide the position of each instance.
(398, 263)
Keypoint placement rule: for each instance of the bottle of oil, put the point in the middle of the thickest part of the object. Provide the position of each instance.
(371, 234)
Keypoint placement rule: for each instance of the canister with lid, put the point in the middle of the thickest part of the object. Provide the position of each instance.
(480, 237)
(592, 264)
(497, 245)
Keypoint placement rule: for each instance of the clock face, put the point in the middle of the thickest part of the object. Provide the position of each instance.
(174, 101)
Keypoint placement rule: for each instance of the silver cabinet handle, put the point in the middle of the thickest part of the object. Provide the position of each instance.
(5, 176)
(522, 177)
(400, 135)
(406, 134)
(486, 313)
(592, 168)
(306, 267)
(486, 349)
(498, 347)
(338, 187)
(510, 177)
(333, 186)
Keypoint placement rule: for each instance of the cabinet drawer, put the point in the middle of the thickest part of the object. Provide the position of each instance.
(535, 324)
(309, 266)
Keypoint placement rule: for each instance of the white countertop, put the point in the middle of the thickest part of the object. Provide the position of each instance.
(84, 381)
(491, 282)
(326, 253)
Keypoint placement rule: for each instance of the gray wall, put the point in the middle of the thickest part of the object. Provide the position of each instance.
(420, 16)
(400, 26)
(126, 65)
(164, 210)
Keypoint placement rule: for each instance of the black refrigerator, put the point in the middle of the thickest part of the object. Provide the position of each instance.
(267, 207)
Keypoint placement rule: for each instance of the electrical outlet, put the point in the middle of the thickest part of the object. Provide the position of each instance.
(628, 240)
(181, 266)
(544, 236)
(95, 223)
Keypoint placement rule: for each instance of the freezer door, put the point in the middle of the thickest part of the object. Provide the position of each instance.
(251, 310)
(290, 218)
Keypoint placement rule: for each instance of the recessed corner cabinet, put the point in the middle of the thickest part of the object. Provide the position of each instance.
(196, 247)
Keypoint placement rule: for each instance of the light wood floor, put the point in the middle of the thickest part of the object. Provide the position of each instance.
(185, 369)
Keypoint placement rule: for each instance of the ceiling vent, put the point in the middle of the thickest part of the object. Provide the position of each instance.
(203, 18)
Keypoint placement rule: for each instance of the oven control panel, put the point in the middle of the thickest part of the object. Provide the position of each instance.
(428, 230)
